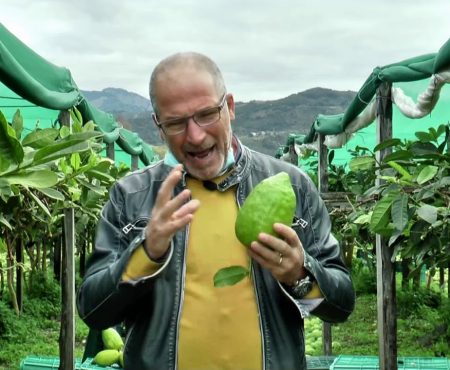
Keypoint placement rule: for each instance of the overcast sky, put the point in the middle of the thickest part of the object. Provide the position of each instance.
(265, 49)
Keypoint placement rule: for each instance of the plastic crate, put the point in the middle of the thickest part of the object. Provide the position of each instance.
(88, 365)
(345, 362)
(39, 363)
(319, 362)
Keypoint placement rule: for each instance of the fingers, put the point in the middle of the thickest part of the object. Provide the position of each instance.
(169, 214)
(166, 190)
(282, 255)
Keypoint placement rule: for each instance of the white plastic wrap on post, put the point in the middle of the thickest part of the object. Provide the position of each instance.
(425, 101)
(425, 104)
(364, 119)
(301, 149)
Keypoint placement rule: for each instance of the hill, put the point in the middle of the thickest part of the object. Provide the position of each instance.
(262, 125)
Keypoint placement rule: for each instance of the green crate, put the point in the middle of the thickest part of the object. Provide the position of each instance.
(319, 362)
(38, 363)
(88, 365)
(345, 362)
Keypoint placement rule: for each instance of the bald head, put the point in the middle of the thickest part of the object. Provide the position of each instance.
(186, 60)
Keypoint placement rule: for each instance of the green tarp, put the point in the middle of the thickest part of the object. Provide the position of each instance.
(43, 84)
(412, 69)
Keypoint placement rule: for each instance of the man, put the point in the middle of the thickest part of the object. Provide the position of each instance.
(167, 229)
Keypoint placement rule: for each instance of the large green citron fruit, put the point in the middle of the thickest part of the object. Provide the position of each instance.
(271, 201)
(112, 339)
(107, 357)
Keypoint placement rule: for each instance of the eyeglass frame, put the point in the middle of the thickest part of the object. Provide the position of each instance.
(187, 118)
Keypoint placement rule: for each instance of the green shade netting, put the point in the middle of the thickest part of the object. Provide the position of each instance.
(33, 116)
(403, 127)
(34, 78)
(105, 122)
(148, 155)
(130, 142)
(44, 85)
(408, 70)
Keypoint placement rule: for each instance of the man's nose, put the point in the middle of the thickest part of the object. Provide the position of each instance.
(195, 133)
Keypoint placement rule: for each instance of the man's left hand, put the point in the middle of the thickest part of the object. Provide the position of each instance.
(282, 255)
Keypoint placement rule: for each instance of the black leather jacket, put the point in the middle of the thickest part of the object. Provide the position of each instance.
(151, 306)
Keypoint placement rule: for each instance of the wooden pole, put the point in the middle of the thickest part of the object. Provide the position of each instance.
(110, 153)
(323, 165)
(386, 297)
(327, 339)
(19, 273)
(134, 162)
(67, 332)
(67, 328)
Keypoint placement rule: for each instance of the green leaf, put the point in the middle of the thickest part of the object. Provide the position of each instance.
(40, 204)
(363, 219)
(428, 213)
(89, 126)
(35, 179)
(399, 211)
(5, 222)
(99, 175)
(230, 276)
(419, 149)
(58, 150)
(441, 129)
(41, 138)
(69, 141)
(387, 144)
(398, 155)
(52, 193)
(424, 137)
(426, 174)
(10, 148)
(381, 213)
(75, 161)
(3, 247)
(64, 131)
(362, 163)
(405, 174)
(17, 124)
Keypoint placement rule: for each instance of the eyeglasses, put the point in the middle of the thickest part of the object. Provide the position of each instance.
(202, 118)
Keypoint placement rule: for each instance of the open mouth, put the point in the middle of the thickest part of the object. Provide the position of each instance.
(201, 154)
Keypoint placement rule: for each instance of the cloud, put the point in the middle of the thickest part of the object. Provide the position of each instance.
(266, 49)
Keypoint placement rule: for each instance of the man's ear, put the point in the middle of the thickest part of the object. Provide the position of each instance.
(161, 133)
(230, 104)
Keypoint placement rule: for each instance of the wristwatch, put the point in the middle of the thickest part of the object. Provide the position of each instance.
(301, 287)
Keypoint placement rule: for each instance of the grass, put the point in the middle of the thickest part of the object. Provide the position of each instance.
(422, 328)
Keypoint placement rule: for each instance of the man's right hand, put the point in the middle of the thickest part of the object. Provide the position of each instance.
(168, 215)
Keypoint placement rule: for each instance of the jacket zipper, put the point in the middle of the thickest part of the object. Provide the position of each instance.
(183, 283)
(132, 225)
(263, 349)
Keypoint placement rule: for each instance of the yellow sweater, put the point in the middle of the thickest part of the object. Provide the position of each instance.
(219, 327)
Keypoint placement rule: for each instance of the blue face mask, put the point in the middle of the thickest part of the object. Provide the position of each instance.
(171, 161)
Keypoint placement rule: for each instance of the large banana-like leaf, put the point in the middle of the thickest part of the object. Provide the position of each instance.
(74, 143)
(41, 138)
(34, 179)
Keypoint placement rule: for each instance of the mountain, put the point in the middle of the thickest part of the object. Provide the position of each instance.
(117, 101)
(262, 125)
